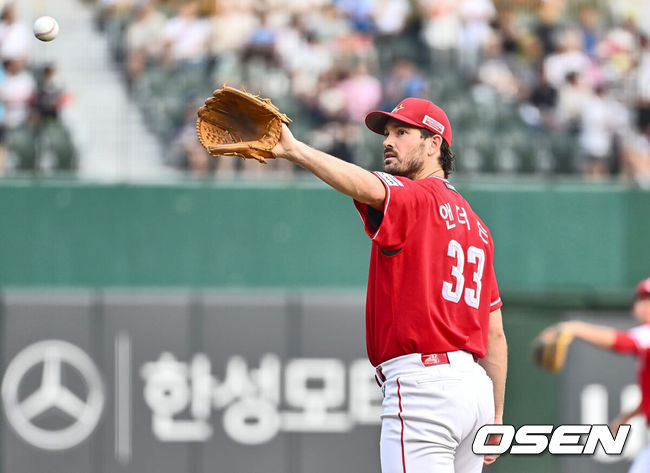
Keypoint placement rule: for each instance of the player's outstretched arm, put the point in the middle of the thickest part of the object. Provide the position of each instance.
(495, 364)
(345, 177)
(598, 335)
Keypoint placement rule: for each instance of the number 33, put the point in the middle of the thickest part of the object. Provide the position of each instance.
(475, 256)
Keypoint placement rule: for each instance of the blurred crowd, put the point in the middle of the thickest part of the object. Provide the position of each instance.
(32, 136)
(541, 87)
(531, 87)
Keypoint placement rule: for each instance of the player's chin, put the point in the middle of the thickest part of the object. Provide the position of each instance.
(392, 168)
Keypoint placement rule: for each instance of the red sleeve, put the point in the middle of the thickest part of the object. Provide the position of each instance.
(495, 298)
(392, 226)
(625, 343)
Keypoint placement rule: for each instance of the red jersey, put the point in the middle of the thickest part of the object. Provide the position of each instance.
(431, 283)
(637, 342)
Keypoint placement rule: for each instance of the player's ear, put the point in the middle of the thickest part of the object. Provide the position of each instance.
(434, 145)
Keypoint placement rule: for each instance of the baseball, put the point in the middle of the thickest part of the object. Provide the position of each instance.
(46, 28)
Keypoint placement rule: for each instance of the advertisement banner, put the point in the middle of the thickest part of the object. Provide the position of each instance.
(168, 382)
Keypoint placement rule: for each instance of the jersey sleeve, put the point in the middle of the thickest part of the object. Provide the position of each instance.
(495, 297)
(390, 227)
(625, 342)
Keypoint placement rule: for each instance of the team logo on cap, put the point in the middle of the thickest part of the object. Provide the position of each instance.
(434, 124)
(398, 108)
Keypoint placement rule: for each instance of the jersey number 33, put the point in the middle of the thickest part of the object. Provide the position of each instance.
(455, 290)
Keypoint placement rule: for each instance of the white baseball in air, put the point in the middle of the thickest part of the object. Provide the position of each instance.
(46, 28)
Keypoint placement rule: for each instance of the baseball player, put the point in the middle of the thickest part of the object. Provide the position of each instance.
(634, 342)
(433, 320)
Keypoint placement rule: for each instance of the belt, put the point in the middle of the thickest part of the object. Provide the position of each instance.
(425, 360)
(433, 359)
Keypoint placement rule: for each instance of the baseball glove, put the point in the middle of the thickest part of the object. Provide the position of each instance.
(236, 123)
(550, 347)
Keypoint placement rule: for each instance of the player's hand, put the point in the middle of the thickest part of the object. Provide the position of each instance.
(285, 145)
(493, 440)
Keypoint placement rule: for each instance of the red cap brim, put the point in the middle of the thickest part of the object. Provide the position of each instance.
(376, 121)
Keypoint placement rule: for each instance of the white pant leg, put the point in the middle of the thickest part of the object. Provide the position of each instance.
(415, 435)
(466, 460)
(431, 417)
(642, 462)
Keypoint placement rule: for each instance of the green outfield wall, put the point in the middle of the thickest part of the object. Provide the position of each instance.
(549, 237)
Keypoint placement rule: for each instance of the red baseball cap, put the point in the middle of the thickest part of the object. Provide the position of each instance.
(416, 112)
(643, 288)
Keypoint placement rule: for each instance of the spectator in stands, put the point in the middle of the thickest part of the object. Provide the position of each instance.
(261, 66)
(543, 98)
(403, 80)
(17, 92)
(641, 84)
(571, 101)
(113, 17)
(390, 18)
(495, 71)
(475, 16)
(107, 10)
(288, 40)
(440, 30)
(597, 133)
(590, 28)
(311, 60)
(508, 26)
(231, 26)
(359, 12)
(261, 43)
(546, 27)
(616, 53)
(527, 63)
(327, 23)
(144, 41)
(361, 93)
(50, 95)
(54, 139)
(570, 58)
(16, 38)
(186, 37)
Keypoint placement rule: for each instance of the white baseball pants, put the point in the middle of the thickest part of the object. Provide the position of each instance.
(431, 414)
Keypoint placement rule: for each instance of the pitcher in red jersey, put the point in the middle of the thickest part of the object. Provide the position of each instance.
(433, 321)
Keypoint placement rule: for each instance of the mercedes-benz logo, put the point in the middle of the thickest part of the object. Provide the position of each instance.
(52, 394)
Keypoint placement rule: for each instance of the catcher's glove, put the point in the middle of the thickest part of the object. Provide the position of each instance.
(549, 348)
(237, 123)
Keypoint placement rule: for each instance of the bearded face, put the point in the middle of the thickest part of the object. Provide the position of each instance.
(404, 150)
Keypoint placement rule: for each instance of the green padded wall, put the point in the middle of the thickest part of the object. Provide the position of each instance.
(549, 236)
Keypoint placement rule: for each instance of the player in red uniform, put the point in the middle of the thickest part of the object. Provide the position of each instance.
(433, 320)
(634, 342)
